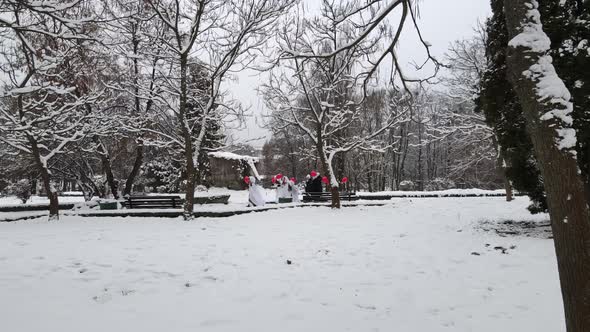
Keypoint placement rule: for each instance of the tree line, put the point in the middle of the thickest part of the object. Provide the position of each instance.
(115, 87)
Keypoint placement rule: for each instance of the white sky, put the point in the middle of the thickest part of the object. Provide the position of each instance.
(441, 22)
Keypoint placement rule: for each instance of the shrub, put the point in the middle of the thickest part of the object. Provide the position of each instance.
(21, 189)
(439, 184)
(406, 185)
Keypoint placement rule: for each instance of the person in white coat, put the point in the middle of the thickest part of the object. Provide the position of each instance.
(256, 194)
(282, 187)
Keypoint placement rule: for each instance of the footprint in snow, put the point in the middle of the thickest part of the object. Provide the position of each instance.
(104, 297)
(210, 278)
(126, 292)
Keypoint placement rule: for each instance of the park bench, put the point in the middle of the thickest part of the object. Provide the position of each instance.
(153, 202)
(327, 196)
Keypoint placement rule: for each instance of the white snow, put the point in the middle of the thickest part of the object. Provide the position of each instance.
(403, 267)
(549, 86)
(231, 156)
(532, 35)
(441, 193)
(38, 200)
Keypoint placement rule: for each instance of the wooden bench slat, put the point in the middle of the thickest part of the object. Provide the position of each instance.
(158, 201)
(327, 196)
(155, 201)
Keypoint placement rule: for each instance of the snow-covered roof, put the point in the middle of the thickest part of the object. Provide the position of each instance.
(232, 156)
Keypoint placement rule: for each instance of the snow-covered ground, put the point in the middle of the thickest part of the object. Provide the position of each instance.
(407, 266)
(441, 193)
(36, 200)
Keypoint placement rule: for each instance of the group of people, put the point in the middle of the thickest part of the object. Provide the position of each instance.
(287, 189)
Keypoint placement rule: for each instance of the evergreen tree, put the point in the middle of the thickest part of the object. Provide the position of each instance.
(567, 23)
(504, 114)
(199, 82)
(214, 140)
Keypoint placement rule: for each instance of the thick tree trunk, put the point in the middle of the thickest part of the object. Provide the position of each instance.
(136, 167)
(51, 194)
(189, 201)
(335, 197)
(105, 160)
(46, 178)
(568, 209)
(328, 172)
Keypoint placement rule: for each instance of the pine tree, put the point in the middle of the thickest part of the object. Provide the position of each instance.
(214, 137)
(214, 140)
(504, 114)
(567, 23)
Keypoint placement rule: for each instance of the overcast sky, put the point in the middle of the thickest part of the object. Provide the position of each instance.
(441, 22)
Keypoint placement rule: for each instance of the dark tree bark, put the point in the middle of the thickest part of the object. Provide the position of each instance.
(189, 201)
(568, 209)
(327, 170)
(135, 170)
(46, 178)
(43, 170)
(105, 160)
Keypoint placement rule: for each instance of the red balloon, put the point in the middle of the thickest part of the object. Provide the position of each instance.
(313, 174)
(247, 179)
(325, 179)
(344, 179)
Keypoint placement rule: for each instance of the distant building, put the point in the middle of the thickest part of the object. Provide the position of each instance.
(229, 169)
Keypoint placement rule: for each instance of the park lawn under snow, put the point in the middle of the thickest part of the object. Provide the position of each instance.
(407, 266)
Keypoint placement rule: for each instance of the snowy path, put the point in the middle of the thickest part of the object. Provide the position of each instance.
(406, 267)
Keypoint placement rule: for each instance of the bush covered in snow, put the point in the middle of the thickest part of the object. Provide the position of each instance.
(439, 184)
(20, 189)
(406, 185)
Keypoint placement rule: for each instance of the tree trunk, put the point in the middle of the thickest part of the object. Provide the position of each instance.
(420, 179)
(189, 201)
(335, 197)
(507, 186)
(136, 167)
(568, 209)
(139, 148)
(46, 178)
(327, 169)
(501, 169)
(105, 160)
(51, 194)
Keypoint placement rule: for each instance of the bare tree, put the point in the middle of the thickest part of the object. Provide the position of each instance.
(225, 36)
(319, 90)
(467, 64)
(43, 112)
